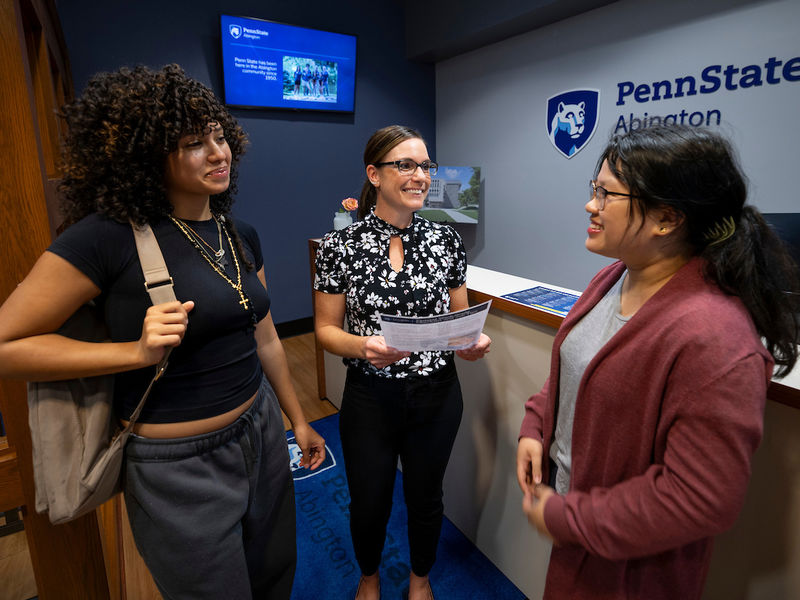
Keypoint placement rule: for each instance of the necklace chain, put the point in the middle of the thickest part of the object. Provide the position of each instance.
(185, 229)
(218, 255)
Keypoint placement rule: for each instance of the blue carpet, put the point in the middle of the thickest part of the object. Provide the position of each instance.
(326, 564)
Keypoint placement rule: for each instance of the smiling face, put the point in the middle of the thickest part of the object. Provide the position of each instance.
(198, 168)
(619, 230)
(399, 195)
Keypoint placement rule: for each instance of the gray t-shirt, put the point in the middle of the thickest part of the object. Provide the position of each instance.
(585, 340)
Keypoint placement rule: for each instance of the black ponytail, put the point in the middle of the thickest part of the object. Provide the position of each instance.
(369, 197)
(755, 266)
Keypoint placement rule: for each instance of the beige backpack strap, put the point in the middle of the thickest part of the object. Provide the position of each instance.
(159, 285)
(157, 281)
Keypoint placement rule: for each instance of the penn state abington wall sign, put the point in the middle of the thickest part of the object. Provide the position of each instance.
(572, 120)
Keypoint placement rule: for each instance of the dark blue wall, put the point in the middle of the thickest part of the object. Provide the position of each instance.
(299, 166)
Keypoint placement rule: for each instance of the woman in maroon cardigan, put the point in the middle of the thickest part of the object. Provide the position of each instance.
(637, 450)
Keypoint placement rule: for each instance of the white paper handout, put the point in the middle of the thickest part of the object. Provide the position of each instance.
(451, 331)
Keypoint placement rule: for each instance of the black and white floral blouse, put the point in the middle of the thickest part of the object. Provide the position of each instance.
(355, 261)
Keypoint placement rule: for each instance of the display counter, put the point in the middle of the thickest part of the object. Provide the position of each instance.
(484, 284)
(760, 555)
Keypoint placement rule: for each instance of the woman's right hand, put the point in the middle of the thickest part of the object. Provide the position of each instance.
(164, 326)
(379, 354)
(529, 464)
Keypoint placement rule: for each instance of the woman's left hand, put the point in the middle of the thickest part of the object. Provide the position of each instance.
(478, 350)
(312, 445)
(533, 506)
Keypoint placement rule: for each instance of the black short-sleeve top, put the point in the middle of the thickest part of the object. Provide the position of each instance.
(355, 262)
(216, 367)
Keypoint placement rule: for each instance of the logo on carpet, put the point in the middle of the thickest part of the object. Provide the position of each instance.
(299, 472)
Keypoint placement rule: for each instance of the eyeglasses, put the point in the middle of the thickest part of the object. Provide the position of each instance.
(407, 166)
(601, 193)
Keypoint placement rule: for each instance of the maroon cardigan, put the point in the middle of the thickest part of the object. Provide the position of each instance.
(668, 415)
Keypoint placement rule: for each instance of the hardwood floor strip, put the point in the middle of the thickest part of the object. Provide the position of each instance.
(302, 365)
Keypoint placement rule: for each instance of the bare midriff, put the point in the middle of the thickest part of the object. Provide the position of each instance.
(189, 428)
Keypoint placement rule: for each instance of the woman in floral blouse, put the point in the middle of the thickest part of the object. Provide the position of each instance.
(395, 404)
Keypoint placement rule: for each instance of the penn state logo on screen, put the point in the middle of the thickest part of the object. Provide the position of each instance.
(299, 472)
(236, 30)
(572, 120)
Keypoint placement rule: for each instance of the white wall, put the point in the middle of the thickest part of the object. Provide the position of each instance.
(491, 112)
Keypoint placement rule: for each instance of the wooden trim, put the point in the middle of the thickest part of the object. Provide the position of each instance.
(784, 394)
(322, 391)
(109, 518)
(295, 327)
(67, 559)
(47, 15)
(515, 308)
(11, 495)
(43, 93)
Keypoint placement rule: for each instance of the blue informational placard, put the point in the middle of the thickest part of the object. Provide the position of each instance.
(274, 65)
(547, 299)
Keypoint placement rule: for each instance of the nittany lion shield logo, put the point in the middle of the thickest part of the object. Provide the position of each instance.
(572, 119)
(236, 30)
(295, 455)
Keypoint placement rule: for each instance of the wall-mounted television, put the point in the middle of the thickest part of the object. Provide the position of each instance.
(787, 226)
(274, 65)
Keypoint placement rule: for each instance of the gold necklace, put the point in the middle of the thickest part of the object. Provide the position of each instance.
(184, 228)
(219, 255)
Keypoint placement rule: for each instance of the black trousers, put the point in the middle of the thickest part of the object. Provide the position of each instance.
(416, 420)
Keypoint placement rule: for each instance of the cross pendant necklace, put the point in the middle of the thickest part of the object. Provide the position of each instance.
(243, 300)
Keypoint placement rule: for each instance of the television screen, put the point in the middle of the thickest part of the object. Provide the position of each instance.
(454, 195)
(787, 226)
(273, 65)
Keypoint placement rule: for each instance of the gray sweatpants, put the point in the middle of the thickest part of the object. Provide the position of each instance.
(213, 515)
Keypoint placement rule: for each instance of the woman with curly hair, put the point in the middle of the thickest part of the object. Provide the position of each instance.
(207, 482)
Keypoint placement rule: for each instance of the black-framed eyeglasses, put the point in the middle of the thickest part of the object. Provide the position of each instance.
(407, 166)
(601, 193)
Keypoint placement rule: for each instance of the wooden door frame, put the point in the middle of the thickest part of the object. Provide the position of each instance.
(67, 559)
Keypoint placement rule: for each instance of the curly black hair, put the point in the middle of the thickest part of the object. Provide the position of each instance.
(119, 133)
